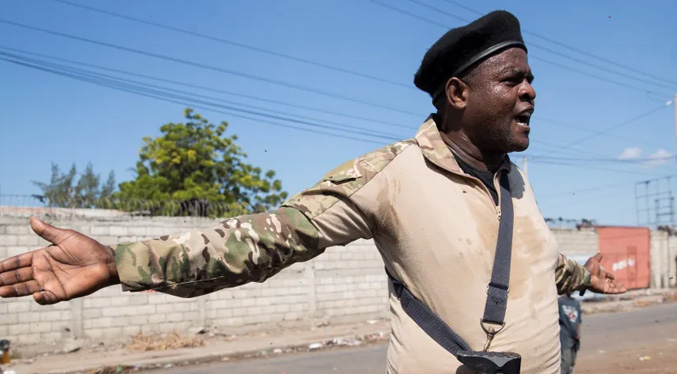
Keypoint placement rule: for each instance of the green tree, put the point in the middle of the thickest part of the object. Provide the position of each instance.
(195, 161)
(63, 191)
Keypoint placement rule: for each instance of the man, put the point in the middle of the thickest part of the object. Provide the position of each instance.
(570, 330)
(430, 203)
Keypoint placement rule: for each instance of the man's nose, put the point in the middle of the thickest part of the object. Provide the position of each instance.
(527, 92)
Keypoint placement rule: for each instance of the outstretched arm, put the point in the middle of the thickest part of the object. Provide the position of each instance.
(338, 210)
(234, 252)
(571, 276)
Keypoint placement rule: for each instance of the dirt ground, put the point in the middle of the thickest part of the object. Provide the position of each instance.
(646, 359)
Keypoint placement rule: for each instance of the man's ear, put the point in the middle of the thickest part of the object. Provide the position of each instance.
(457, 93)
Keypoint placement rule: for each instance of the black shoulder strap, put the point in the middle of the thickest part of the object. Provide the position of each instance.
(427, 320)
(497, 290)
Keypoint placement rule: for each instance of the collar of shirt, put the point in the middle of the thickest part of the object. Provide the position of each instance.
(436, 151)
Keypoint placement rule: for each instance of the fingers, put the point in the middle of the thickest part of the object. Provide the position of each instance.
(45, 298)
(607, 275)
(16, 262)
(20, 289)
(614, 287)
(607, 286)
(9, 278)
(598, 256)
(46, 231)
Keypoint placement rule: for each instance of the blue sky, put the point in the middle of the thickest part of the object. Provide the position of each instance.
(47, 118)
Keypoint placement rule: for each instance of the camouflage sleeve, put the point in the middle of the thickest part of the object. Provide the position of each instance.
(236, 251)
(341, 208)
(570, 276)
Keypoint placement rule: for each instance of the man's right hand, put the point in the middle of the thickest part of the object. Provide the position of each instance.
(601, 281)
(74, 266)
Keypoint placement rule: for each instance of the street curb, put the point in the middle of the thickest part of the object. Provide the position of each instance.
(290, 342)
(231, 357)
(151, 360)
(630, 301)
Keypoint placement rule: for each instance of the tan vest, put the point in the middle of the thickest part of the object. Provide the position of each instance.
(436, 229)
(444, 252)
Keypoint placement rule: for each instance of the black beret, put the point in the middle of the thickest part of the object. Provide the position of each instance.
(463, 47)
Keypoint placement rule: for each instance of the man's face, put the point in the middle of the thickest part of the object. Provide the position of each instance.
(500, 102)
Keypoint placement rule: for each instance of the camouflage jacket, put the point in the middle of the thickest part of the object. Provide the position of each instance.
(434, 226)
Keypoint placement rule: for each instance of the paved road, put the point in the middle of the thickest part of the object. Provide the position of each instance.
(609, 332)
(626, 330)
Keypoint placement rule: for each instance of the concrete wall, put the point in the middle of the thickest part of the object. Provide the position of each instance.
(345, 284)
(663, 260)
(575, 242)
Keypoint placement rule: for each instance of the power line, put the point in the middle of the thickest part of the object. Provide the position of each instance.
(624, 123)
(596, 188)
(438, 10)
(574, 49)
(208, 67)
(598, 198)
(102, 80)
(402, 11)
(107, 44)
(235, 44)
(553, 63)
(187, 101)
(446, 27)
(538, 58)
(260, 110)
(206, 107)
(559, 146)
(625, 171)
(588, 130)
(607, 160)
(82, 71)
(618, 73)
(206, 88)
(156, 91)
(549, 50)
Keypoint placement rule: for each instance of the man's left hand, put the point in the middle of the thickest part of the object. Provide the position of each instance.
(601, 281)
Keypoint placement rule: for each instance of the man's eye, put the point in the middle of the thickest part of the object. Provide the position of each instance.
(513, 80)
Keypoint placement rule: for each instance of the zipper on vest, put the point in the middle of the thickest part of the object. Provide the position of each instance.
(497, 186)
(497, 207)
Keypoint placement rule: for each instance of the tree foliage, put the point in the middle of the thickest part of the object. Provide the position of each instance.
(63, 190)
(196, 161)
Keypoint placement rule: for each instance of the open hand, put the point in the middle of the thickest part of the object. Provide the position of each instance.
(601, 281)
(75, 265)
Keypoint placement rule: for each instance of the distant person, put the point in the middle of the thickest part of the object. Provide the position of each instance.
(433, 204)
(570, 331)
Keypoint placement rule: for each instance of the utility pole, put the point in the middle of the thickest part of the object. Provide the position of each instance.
(524, 160)
(667, 275)
(674, 103)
